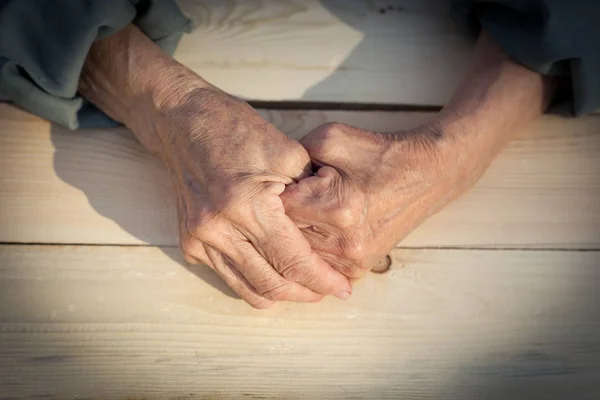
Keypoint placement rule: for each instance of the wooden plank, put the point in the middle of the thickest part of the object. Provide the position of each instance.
(100, 186)
(133, 322)
(327, 50)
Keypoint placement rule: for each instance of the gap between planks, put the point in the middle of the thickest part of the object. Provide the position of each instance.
(440, 324)
(58, 186)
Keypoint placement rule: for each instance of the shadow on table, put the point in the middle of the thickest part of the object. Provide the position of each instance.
(111, 191)
(546, 362)
(375, 20)
(539, 359)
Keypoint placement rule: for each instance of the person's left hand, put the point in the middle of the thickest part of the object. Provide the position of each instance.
(373, 189)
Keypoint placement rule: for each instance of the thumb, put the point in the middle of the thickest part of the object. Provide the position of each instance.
(310, 201)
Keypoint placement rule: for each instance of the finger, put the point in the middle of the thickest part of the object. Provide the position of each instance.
(282, 244)
(307, 170)
(314, 201)
(265, 280)
(192, 249)
(192, 260)
(349, 268)
(314, 142)
(291, 159)
(327, 222)
(318, 142)
(235, 280)
(196, 252)
(327, 246)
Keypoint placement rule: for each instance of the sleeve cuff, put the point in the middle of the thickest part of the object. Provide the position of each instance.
(44, 43)
(553, 38)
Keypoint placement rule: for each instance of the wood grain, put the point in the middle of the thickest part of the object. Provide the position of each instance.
(100, 186)
(136, 322)
(132, 322)
(327, 50)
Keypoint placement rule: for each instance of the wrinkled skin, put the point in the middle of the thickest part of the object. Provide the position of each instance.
(229, 167)
(236, 176)
(370, 191)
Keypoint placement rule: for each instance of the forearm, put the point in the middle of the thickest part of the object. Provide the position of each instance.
(133, 81)
(495, 100)
(230, 213)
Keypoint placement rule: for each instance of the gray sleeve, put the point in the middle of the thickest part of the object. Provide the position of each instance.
(44, 43)
(553, 37)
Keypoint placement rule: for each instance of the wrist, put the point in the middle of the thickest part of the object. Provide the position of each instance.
(456, 150)
(155, 87)
(496, 99)
(164, 93)
(134, 82)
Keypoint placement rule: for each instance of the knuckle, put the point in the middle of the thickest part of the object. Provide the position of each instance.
(231, 200)
(349, 210)
(344, 216)
(235, 200)
(197, 223)
(329, 142)
(354, 248)
(293, 152)
(204, 223)
(260, 303)
(332, 129)
(190, 245)
(348, 269)
(325, 133)
(295, 270)
(278, 292)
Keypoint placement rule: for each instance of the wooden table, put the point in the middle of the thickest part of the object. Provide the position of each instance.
(496, 297)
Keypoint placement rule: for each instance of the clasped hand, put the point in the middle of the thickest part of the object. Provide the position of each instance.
(251, 208)
(249, 203)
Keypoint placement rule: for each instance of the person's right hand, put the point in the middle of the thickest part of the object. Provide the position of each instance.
(228, 164)
(229, 167)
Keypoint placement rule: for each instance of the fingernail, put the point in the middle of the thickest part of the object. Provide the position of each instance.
(343, 295)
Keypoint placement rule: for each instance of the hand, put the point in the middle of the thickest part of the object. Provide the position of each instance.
(229, 167)
(228, 164)
(371, 190)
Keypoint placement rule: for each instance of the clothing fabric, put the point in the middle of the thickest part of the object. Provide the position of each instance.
(44, 43)
(553, 37)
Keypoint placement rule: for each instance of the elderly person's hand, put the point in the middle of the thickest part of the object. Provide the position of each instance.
(372, 189)
(229, 167)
